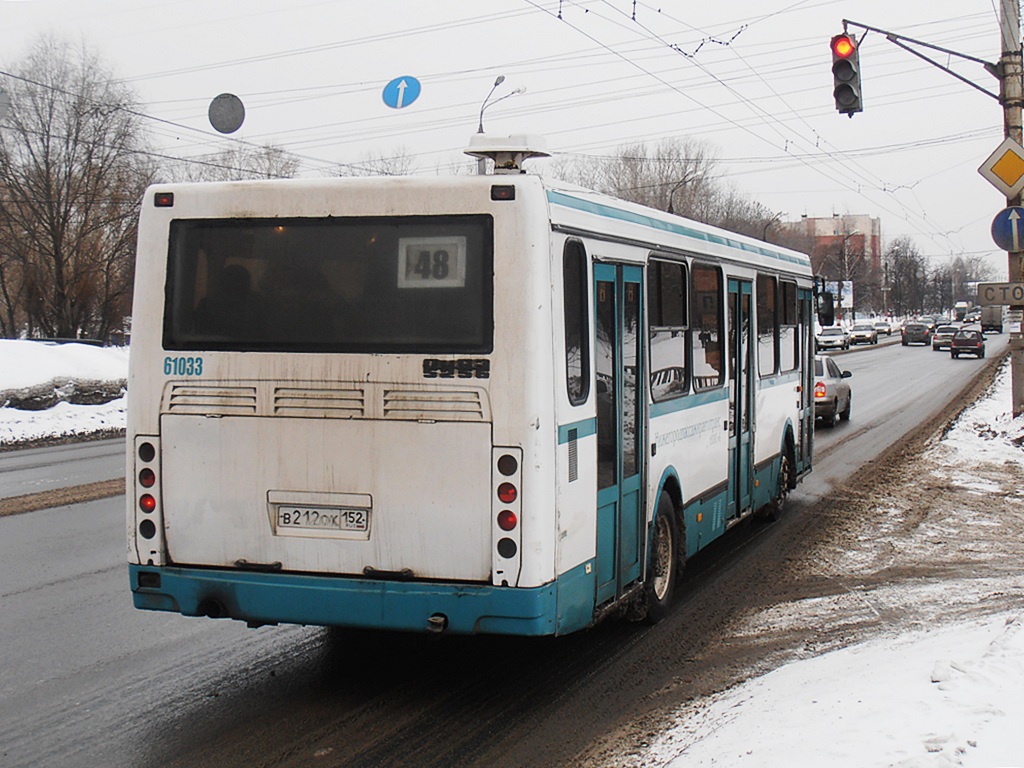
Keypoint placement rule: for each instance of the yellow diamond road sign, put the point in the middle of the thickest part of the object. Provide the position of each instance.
(1005, 168)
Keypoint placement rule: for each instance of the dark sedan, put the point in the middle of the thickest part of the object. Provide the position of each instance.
(916, 333)
(967, 342)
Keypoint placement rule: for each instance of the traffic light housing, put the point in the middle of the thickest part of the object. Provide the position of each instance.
(846, 74)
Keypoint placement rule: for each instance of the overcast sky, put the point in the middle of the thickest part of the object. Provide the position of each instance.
(751, 77)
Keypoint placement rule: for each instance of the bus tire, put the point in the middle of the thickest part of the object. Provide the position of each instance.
(664, 561)
(773, 510)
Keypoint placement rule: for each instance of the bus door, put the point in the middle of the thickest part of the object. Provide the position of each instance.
(806, 364)
(741, 387)
(619, 367)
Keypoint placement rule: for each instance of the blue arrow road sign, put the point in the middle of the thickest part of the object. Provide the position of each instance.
(1008, 229)
(401, 92)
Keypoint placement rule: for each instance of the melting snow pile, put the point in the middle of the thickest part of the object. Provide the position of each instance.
(58, 391)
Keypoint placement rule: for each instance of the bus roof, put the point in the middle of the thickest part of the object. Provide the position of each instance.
(573, 206)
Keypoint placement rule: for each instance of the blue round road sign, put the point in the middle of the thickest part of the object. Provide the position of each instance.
(1008, 229)
(401, 92)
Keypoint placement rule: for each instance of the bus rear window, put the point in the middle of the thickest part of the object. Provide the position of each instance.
(401, 284)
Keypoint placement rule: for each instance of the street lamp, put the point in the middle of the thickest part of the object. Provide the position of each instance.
(497, 81)
(481, 164)
(672, 193)
(775, 219)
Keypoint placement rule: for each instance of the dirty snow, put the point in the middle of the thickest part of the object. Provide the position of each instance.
(949, 691)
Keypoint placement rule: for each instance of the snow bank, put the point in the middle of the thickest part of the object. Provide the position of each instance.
(64, 390)
(25, 364)
(953, 696)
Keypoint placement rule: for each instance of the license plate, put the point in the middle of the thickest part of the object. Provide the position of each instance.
(337, 522)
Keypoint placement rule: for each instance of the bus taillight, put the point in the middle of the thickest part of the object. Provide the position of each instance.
(507, 493)
(147, 499)
(508, 465)
(507, 515)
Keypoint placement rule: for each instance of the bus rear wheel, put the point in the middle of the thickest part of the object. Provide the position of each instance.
(772, 511)
(664, 562)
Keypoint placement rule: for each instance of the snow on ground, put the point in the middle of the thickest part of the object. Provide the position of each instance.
(26, 364)
(63, 420)
(949, 695)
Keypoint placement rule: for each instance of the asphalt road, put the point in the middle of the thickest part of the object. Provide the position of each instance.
(895, 388)
(35, 470)
(89, 681)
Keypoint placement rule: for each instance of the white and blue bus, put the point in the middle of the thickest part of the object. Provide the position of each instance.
(487, 404)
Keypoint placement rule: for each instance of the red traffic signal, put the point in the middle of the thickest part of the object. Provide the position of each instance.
(846, 74)
(843, 46)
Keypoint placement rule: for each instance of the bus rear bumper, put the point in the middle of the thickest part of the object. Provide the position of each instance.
(272, 598)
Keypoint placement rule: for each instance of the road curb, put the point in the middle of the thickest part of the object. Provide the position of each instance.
(60, 497)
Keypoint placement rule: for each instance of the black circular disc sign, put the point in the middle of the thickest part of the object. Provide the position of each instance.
(227, 113)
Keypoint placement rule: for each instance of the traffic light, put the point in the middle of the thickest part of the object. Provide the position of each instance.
(846, 74)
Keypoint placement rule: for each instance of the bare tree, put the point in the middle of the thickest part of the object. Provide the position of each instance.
(12, 283)
(398, 163)
(236, 162)
(676, 175)
(72, 173)
(727, 207)
(906, 274)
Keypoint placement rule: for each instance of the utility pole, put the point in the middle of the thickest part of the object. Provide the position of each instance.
(1008, 71)
(1010, 88)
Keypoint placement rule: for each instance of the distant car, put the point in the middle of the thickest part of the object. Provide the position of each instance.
(916, 333)
(942, 336)
(863, 333)
(832, 337)
(832, 396)
(883, 326)
(967, 342)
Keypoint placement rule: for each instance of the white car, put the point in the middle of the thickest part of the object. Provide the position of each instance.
(864, 333)
(832, 337)
(832, 396)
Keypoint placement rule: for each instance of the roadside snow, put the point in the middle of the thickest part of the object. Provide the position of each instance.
(29, 364)
(63, 420)
(945, 697)
(25, 364)
(947, 694)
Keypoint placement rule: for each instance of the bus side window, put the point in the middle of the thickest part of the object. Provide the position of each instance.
(789, 339)
(667, 292)
(767, 326)
(707, 329)
(577, 322)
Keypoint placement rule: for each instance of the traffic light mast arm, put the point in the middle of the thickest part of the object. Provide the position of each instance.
(898, 39)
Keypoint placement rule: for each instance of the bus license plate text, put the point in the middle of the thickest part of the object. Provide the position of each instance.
(324, 519)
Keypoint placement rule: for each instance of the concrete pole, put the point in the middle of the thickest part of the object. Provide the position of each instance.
(1010, 71)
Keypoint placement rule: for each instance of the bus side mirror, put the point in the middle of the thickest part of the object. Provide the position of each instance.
(826, 309)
